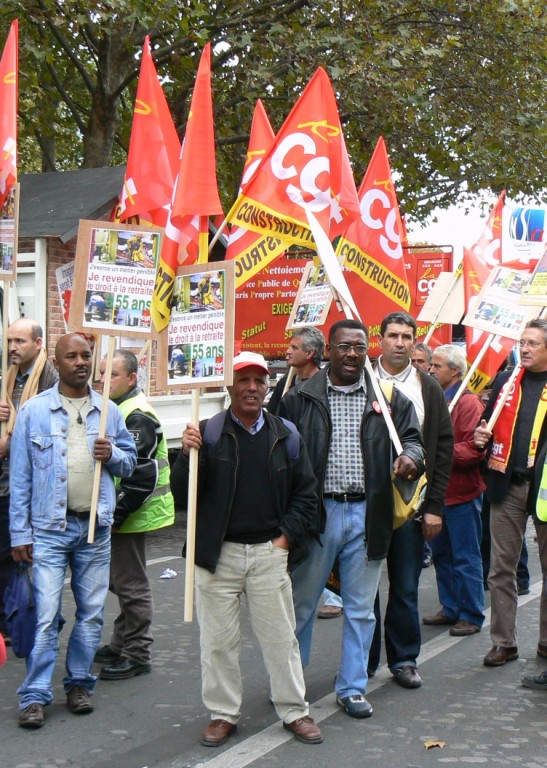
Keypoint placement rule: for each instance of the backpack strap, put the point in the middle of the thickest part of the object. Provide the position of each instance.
(214, 426)
(213, 430)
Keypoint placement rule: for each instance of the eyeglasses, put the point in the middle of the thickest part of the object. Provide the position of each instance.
(531, 344)
(360, 349)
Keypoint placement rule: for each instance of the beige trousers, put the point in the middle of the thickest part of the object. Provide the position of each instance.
(507, 526)
(258, 571)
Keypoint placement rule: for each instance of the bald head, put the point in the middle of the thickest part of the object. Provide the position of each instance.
(73, 360)
(25, 341)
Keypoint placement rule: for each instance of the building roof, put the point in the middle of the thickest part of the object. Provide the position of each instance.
(52, 204)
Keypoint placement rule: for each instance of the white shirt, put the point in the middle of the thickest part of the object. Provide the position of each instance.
(408, 382)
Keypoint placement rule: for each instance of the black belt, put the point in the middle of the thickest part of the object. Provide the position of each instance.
(79, 515)
(519, 478)
(345, 496)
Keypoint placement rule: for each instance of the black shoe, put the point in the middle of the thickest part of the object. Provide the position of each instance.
(78, 700)
(538, 682)
(105, 655)
(124, 668)
(407, 677)
(32, 716)
(523, 590)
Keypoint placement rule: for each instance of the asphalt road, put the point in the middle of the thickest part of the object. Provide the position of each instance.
(482, 715)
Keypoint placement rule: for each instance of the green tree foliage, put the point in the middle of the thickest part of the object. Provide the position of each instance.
(457, 88)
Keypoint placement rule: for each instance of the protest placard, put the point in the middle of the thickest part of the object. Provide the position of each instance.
(9, 225)
(312, 303)
(198, 344)
(496, 309)
(535, 293)
(114, 277)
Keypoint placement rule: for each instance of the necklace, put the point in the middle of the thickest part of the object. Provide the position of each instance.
(79, 418)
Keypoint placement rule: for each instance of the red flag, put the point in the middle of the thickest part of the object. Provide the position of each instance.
(154, 150)
(306, 171)
(487, 249)
(8, 112)
(252, 251)
(195, 195)
(477, 263)
(197, 190)
(372, 245)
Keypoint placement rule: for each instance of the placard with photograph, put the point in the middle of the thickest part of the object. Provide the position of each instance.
(114, 278)
(197, 346)
(312, 303)
(496, 309)
(535, 293)
(9, 226)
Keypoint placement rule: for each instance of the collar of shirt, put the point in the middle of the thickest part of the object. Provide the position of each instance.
(401, 376)
(254, 428)
(451, 391)
(349, 388)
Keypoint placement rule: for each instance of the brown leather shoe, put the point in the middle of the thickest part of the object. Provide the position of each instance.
(542, 650)
(498, 655)
(305, 730)
(330, 612)
(32, 716)
(438, 619)
(217, 733)
(464, 628)
(78, 700)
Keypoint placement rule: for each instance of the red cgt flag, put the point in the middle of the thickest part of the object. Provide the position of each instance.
(306, 170)
(252, 251)
(195, 196)
(8, 112)
(372, 245)
(154, 150)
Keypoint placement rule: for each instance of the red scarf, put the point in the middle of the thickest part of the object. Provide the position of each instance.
(505, 426)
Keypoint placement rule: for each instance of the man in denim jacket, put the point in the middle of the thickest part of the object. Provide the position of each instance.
(54, 446)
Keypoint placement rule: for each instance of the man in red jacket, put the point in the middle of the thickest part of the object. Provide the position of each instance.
(456, 550)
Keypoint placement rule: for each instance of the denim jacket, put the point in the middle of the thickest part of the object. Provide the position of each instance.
(39, 467)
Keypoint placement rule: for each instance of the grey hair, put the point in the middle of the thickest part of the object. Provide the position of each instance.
(455, 357)
(312, 341)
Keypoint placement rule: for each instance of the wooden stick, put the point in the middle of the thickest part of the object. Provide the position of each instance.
(502, 399)
(290, 376)
(102, 432)
(191, 512)
(472, 368)
(5, 349)
(395, 439)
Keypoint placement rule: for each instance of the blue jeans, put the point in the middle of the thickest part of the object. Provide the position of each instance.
(457, 560)
(53, 552)
(403, 635)
(344, 537)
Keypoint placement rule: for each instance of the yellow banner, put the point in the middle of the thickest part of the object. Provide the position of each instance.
(250, 214)
(257, 256)
(374, 273)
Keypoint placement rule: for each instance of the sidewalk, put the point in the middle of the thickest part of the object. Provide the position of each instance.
(484, 715)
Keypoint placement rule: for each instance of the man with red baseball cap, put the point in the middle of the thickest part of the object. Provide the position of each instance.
(256, 508)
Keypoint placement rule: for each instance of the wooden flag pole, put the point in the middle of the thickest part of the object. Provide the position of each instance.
(290, 376)
(395, 439)
(502, 399)
(507, 387)
(472, 368)
(5, 348)
(102, 432)
(191, 512)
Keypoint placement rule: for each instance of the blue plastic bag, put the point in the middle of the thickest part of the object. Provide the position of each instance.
(20, 611)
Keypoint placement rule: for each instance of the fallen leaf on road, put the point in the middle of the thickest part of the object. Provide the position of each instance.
(431, 744)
